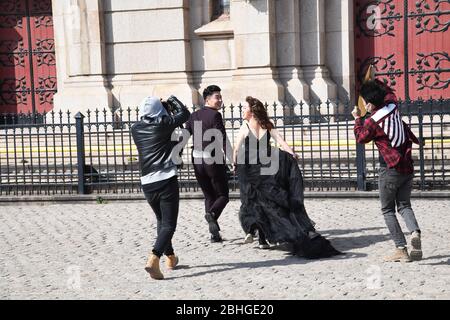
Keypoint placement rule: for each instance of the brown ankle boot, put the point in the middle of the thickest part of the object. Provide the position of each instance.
(400, 255)
(153, 269)
(172, 261)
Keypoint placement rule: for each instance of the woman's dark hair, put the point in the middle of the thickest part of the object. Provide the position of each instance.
(260, 113)
(374, 91)
(209, 90)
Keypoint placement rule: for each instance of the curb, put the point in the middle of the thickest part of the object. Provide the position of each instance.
(99, 198)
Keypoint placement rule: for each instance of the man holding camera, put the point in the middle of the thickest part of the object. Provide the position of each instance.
(209, 163)
(394, 140)
(152, 136)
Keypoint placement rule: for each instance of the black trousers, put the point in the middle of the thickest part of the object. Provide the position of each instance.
(164, 198)
(213, 181)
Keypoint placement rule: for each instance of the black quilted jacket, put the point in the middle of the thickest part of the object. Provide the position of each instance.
(152, 137)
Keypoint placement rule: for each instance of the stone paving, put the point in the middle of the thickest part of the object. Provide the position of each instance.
(98, 251)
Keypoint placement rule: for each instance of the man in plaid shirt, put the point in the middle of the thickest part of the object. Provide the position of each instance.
(394, 140)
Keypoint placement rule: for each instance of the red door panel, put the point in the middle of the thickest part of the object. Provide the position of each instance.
(386, 30)
(43, 48)
(429, 49)
(27, 57)
(13, 56)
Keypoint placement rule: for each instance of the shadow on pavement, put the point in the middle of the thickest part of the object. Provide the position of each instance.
(440, 263)
(342, 244)
(289, 260)
(327, 233)
(358, 242)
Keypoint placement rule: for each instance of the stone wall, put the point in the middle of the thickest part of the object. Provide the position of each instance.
(113, 53)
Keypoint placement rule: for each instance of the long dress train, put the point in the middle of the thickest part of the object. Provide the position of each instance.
(274, 203)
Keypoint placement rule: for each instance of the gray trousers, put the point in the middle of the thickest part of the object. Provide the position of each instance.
(395, 190)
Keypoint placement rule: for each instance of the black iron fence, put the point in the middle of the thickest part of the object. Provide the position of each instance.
(93, 152)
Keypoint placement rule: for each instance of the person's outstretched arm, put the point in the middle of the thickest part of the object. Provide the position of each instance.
(279, 139)
(365, 131)
(181, 113)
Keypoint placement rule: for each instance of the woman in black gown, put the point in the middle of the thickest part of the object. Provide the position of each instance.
(271, 187)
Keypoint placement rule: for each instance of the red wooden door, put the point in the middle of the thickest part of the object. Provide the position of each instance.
(408, 42)
(27, 56)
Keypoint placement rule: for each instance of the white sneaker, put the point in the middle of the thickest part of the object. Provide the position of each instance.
(264, 246)
(248, 238)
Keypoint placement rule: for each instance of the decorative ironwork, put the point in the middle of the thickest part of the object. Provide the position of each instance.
(383, 67)
(47, 58)
(42, 6)
(14, 91)
(431, 78)
(84, 155)
(409, 70)
(9, 46)
(24, 51)
(45, 45)
(11, 21)
(46, 89)
(12, 53)
(370, 26)
(12, 6)
(46, 21)
(424, 18)
(45, 52)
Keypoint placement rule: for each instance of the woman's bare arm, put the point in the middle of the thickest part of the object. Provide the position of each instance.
(279, 139)
(243, 131)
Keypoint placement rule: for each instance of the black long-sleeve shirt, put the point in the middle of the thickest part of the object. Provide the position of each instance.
(209, 119)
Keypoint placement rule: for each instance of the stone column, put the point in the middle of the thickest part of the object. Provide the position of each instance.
(80, 55)
(288, 51)
(340, 46)
(254, 26)
(313, 50)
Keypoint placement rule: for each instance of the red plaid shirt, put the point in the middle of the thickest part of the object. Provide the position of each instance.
(398, 158)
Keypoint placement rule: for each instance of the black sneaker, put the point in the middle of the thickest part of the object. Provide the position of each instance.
(263, 244)
(213, 226)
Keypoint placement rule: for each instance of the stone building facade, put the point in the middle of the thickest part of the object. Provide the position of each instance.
(112, 53)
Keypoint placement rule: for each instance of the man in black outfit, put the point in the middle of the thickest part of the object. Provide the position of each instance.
(153, 138)
(208, 157)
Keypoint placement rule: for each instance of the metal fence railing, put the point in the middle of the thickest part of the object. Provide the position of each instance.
(93, 152)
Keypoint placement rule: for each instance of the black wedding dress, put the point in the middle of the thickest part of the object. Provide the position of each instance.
(273, 203)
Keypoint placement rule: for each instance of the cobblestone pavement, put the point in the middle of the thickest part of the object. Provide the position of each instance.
(98, 251)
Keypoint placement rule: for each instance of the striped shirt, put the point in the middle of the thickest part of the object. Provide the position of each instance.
(391, 135)
(389, 119)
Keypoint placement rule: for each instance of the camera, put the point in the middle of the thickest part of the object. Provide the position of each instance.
(167, 106)
(170, 104)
